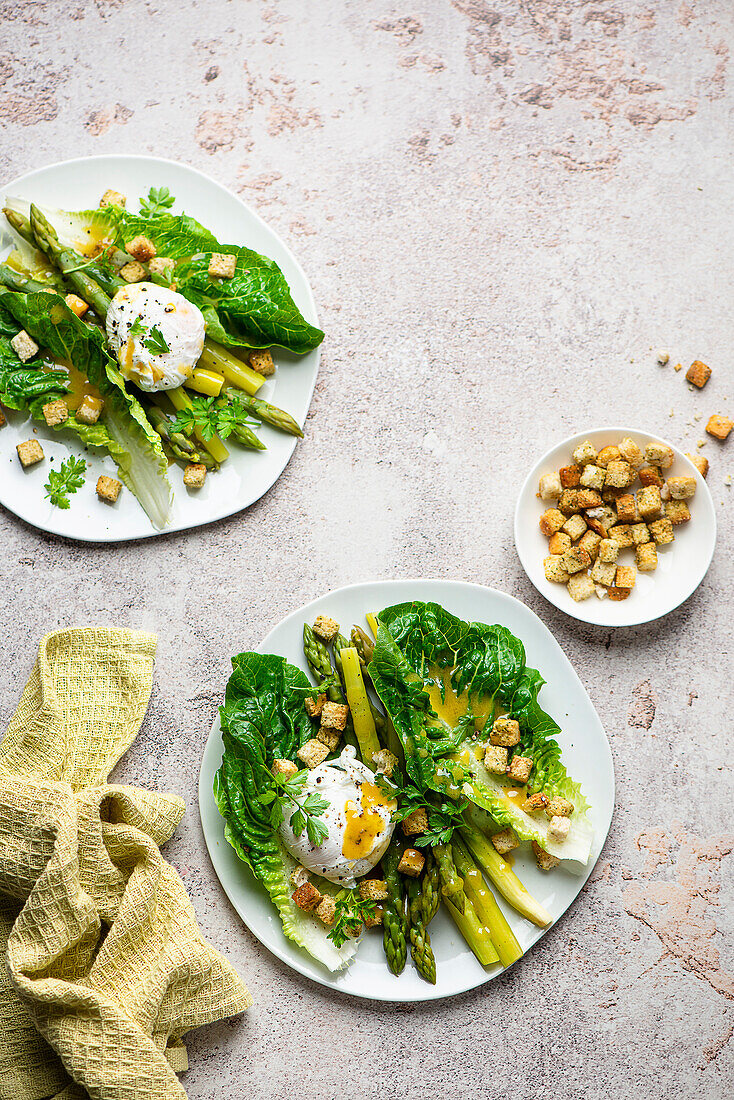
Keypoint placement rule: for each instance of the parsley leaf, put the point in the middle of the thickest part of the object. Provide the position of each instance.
(210, 415)
(351, 910)
(159, 199)
(138, 327)
(156, 342)
(444, 814)
(67, 479)
(307, 811)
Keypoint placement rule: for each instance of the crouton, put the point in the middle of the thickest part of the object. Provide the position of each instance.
(222, 265)
(325, 628)
(663, 357)
(559, 828)
(373, 889)
(24, 346)
(108, 488)
(570, 476)
(385, 761)
(495, 759)
(559, 543)
(682, 488)
(544, 859)
(307, 897)
(55, 412)
(608, 550)
(590, 543)
(535, 802)
(574, 527)
(262, 362)
(312, 753)
(622, 535)
(334, 715)
(584, 453)
(592, 477)
(520, 769)
(610, 496)
(505, 731)
(698, 374)
(659, 454)
(555, 570)
(646, 557)
(286, 768)
(411, 862)
(617, 594)
(631, 453)
(575, 559)
(604, 516)
(326, 910)
(194, 475)
(141, 248)
(588, 498)
(620, 474)
(559, 807)
(649, 502)
(505, 841)
(416, 822)
(640, 534)
(29, 452)
(603, 572)
(329, 737)
(662, 531)
(76, 304)
(132, 272)
(550, 487)
(551, 521)
(568, 502)
(372, 920)
(626, 576)
(112, 198)
(677, 511)
(626, 506)
(315, 706)
(701, 463)
(719, 426)
(89, 409)
(580, 587)
(650, 475)
(607, 455)
(162, 265)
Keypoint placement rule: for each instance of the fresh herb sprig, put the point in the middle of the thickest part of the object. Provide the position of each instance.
(351, 912)
(66, 480)
(152, 339)
(444, 814)
(159, 199)
(308, 810)
(210, 416)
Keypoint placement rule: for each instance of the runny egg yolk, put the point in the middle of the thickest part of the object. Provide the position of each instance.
(364, 822)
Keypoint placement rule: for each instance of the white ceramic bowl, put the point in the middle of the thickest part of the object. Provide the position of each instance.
(682, 564)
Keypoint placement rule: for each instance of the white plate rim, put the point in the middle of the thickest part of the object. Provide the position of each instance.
(578, 610)
(213, 828)
(311, 316)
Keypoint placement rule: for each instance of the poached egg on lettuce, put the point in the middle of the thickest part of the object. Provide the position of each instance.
(358, 817)
(156, 334)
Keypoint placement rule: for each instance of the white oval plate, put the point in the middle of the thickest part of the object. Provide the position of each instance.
(585, 752)
(246, 475)
(682, 564)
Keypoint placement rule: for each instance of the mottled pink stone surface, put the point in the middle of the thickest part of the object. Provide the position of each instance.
(504, 208)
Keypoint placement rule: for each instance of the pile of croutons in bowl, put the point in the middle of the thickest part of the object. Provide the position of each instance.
(605, 503)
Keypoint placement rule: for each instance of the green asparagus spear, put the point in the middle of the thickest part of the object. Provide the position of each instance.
(452, 887)
(263, 410)
(67, 262)
(14, 280)
(485, 904)
(319, 662)
(364, 645)
(420, 942)
(394, 919)
(340, 643)
(180, 446)
(431, 891)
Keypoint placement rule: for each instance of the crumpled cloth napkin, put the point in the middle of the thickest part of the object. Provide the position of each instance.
(106, 966)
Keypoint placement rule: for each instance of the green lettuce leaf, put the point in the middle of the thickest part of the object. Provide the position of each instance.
(141, 463)
(254, 309)
(263, 718)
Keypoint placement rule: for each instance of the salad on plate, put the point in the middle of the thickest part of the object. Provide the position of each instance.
(400, 776)
(145, 337)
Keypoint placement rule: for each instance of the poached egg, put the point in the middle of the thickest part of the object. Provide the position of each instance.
(156, 334)
(359, 820)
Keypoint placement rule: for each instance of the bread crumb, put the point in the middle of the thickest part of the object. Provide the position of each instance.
(663, 357)
(678, 366)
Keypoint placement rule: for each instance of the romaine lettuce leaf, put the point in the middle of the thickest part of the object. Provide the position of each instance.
(263, 718)
(137, 447)
(252, 310)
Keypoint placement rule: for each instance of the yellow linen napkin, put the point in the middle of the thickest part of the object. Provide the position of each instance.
(106, 966)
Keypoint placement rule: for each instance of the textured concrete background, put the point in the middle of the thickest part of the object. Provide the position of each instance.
(503, 207)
